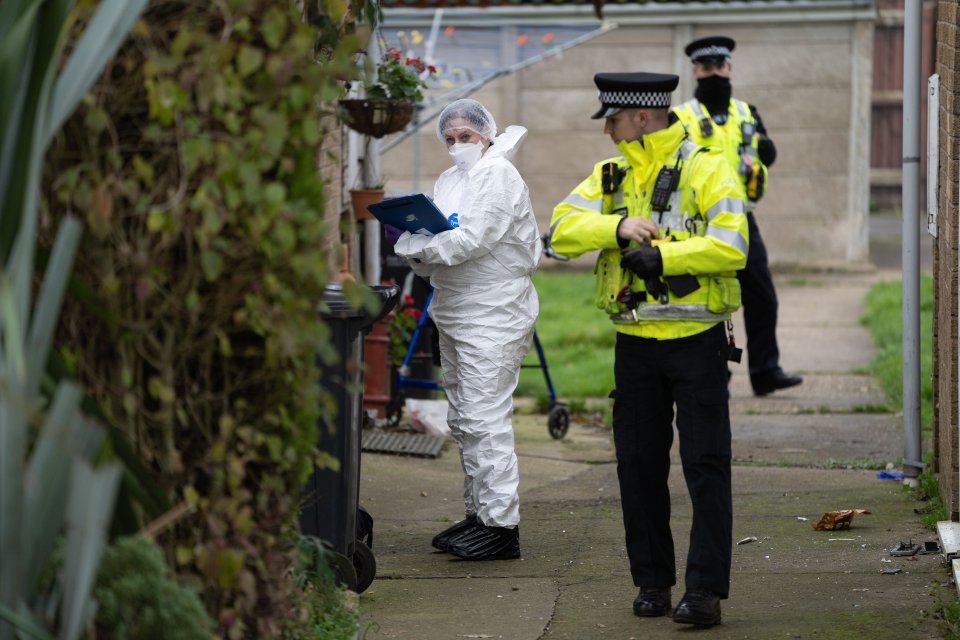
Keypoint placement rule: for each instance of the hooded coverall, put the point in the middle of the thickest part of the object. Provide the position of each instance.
(674, 352)
(485, 307)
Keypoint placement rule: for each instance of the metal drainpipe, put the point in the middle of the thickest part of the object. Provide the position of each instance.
(910, 262)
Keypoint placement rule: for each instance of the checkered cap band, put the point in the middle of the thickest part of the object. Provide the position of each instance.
(711, 51)
(635, 99)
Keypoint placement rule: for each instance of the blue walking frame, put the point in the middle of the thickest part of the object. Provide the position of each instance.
(558, 415)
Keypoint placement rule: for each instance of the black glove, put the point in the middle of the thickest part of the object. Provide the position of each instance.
(644, 261)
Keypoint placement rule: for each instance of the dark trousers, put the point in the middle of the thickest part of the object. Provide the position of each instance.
(759, 299)
(651, 377)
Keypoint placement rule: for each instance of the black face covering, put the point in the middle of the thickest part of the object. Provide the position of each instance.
(714, 92)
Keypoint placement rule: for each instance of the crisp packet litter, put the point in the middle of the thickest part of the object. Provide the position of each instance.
(837, 520)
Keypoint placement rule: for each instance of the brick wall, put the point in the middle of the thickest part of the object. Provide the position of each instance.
(945, 259)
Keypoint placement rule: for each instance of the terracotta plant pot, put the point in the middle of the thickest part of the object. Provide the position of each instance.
(376, 365)
(360, 198)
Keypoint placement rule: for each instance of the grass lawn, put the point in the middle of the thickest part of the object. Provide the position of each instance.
(883, 318)
(577, 339)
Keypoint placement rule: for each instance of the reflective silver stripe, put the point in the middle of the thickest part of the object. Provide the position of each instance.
(671, 218)
(728, 236)
(742, 108)
(687, 149)
(548, 240)
(697, 109)
(698, 312)
(578, 200)
(732, 205)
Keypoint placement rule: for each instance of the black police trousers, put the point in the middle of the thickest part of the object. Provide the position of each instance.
(653, 376)
(759, 299)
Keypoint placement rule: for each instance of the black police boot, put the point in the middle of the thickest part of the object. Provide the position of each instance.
(443, 539)
(487, 543)
(699, 607)
(770, 381)
(652, 602)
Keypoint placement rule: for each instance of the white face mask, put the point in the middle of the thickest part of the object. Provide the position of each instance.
(466, 154)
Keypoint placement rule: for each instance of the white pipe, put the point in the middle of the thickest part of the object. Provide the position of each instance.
(371, 228)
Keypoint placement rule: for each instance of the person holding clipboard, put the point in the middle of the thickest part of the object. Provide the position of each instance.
(485, 307)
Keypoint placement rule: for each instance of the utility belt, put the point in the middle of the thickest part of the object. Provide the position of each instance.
(627, 299)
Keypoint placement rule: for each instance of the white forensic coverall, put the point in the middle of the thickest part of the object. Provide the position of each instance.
(485, 306)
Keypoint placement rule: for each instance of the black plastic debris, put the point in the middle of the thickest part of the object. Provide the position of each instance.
(905, 549)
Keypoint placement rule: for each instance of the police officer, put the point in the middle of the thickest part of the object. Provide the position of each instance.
(715, 118)
(668, 217)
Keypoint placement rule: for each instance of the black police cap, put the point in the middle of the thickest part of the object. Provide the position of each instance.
(633, 91)
(713, 49)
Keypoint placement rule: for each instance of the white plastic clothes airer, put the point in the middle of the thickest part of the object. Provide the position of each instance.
(484, 306)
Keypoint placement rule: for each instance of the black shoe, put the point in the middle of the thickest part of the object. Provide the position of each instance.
(699, 607)
(766, 383)
(487, 543)
(443, 539)
(652, 602)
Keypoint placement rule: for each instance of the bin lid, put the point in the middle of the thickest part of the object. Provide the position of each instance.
(336, 306)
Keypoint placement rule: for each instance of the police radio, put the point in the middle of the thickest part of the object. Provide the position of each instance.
(666, 184)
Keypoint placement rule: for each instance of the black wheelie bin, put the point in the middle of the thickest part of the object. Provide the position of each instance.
(331, 510)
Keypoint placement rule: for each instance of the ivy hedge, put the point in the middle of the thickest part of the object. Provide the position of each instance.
(194, 163)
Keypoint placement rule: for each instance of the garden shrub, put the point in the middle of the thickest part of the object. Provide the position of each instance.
(193, 162)
(138, 598)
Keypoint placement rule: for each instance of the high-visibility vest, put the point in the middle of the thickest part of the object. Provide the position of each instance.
(703, 233)
(736, 136)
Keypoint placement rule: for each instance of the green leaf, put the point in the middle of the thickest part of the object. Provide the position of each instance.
(50, 298)
(24, 624)
(96, 119)
(310, 131)
(100, 40)
(275, 193)
(196, 151)
(157, 220)
(274, 28)
(249, 60)
(91, 499)
(47, 476)
(212, 264)
(143, 169)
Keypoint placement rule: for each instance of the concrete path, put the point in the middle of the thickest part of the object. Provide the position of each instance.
(797, 454)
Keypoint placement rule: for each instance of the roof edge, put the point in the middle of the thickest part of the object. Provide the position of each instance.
(646, 14)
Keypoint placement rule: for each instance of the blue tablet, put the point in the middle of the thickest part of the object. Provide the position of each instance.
(415, 213)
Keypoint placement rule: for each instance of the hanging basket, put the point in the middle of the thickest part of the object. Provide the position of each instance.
(377, 117)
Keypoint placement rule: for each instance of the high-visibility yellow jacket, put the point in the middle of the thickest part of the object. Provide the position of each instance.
(737, 137)
(703, 233)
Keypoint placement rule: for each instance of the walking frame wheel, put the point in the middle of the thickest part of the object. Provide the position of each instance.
(558, 421)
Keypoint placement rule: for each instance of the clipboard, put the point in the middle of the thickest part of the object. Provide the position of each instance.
(415, 213)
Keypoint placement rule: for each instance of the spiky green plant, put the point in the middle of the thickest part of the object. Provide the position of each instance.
(48, 484)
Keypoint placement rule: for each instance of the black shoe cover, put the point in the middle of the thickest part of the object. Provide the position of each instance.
(443, 539)
(487, 543)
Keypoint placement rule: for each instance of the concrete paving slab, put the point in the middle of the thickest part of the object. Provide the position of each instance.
(573, 581)
(830, 391)
(513, 608)
(814, 439)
